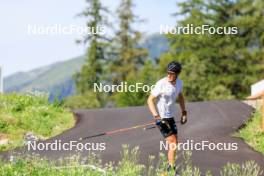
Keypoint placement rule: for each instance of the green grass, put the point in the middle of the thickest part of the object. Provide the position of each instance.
(21, 113)
(252, 132)
(128, 166)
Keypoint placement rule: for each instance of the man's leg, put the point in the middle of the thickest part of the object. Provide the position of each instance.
(172, 141)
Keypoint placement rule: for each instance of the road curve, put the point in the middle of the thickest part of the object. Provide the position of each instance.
(213, 121)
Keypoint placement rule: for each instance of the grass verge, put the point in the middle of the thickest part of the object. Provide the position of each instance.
(252, 133)
(22, 113)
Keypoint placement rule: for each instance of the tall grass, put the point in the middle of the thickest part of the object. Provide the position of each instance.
(128, 166)
(21, 113)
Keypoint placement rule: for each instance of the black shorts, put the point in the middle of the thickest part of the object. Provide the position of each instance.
(168, 127)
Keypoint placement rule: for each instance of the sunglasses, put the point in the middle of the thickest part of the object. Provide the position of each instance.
(172, 73)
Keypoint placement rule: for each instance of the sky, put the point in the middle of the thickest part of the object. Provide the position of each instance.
(23, 52)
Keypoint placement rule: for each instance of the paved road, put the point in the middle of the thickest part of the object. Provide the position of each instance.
(213, 121)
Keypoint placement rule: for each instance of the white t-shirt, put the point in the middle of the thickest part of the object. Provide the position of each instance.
(166, 94)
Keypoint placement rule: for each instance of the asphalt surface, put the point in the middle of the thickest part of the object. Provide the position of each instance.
(214, 121)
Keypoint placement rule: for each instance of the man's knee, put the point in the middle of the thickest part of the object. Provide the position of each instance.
(172, 139)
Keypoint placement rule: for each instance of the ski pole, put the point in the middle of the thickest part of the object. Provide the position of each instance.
(117, 131)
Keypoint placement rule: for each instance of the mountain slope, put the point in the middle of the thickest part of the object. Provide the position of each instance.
(56, 79)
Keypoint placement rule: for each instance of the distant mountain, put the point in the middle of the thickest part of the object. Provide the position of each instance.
(156, 45)
(56, 79)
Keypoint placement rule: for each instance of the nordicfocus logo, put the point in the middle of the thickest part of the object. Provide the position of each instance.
(200, 30)
(122, 87)
(58, 29)
(203, 145)
(58, 145)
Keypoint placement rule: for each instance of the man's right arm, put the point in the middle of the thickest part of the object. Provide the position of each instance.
(151, 104)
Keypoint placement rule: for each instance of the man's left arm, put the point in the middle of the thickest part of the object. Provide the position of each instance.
(182, 102)
(182, 105)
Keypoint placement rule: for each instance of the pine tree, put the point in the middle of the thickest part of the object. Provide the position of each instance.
(219, 66)
(128, 57)
(92, 70)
